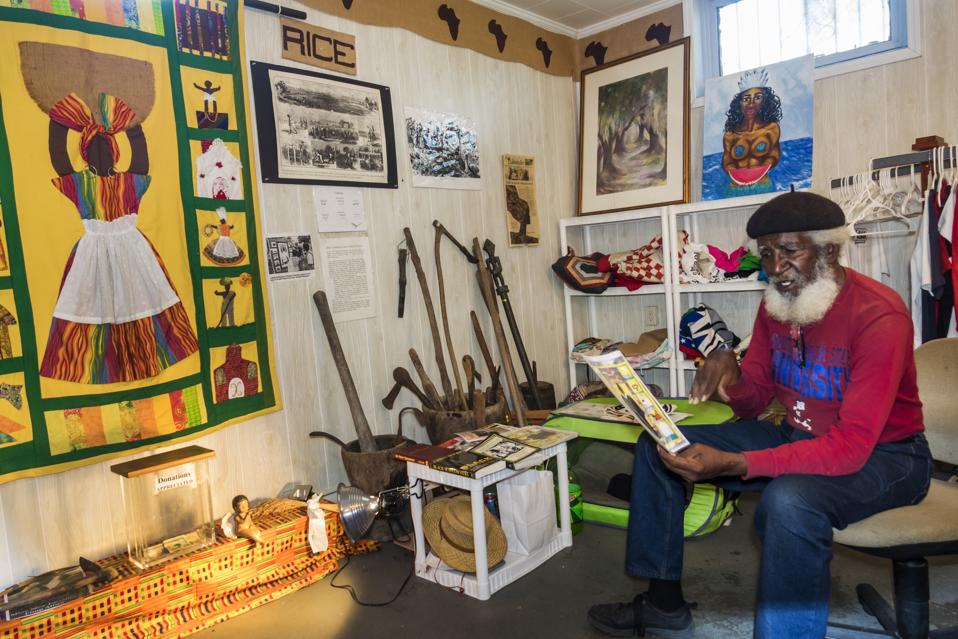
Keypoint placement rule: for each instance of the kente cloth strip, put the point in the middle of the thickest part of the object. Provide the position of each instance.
(133, 309)
(196, 591)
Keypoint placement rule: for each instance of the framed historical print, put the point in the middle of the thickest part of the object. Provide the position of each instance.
(634, 131)
(315, 128)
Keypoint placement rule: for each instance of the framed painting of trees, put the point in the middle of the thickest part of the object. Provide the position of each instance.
(634, 131)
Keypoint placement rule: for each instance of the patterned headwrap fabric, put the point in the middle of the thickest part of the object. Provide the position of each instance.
(72, 113)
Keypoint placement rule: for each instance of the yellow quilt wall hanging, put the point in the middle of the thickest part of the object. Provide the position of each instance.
(133, 307)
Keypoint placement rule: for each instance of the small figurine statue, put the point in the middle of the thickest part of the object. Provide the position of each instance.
(243, 520)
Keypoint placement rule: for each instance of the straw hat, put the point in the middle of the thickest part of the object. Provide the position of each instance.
(448, 527)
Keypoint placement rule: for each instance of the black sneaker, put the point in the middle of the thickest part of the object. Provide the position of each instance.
(639, 617)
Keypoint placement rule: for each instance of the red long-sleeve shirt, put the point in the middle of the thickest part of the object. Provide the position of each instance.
(857, 387)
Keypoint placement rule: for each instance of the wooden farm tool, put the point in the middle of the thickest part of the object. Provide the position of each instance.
(469, 368)
(484, 348)
(365, 436)
(494, 265)
(427, 385)
(442, 229)
(485, 285)
(460, 399)
(431, 313)
(479, 407)
(404, 380)
(403, 253)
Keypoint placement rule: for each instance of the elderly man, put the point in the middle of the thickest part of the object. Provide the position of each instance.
(835, 348)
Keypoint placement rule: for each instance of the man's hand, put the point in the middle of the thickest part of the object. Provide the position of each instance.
(699, 462)
(719, 370)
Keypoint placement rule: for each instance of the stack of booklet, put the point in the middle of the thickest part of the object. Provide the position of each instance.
(478, 453)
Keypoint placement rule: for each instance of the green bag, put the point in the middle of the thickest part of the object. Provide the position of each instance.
(706, 508)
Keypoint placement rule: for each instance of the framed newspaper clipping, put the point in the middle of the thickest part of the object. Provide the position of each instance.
(315, 128)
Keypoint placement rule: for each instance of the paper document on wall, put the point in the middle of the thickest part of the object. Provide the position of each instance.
(339, 209)
(347, 272)
(620, 378)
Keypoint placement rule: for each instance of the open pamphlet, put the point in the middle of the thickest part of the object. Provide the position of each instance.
(621, 380)
(516, 454)
(615, 413)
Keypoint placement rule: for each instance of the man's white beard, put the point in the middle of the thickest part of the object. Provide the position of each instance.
(810, 305)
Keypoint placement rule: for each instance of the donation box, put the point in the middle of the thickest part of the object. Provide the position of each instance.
(168, 504)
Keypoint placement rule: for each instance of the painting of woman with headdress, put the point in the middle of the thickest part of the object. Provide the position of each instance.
(750, 144)
(759, 140)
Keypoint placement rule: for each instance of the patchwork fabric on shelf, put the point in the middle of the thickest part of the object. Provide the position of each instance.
(702, 329)
(644, 264)
(133, 306)
(581, 273)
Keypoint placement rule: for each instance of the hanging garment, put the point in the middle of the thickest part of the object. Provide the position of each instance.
(117, 316)
(920, 270)
(937, 293)
(218, 173)
(946, 233)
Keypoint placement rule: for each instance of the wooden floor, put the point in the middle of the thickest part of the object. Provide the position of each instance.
(552, 601)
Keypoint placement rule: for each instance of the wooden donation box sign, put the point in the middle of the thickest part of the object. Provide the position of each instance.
(168, 503)
(319, 47)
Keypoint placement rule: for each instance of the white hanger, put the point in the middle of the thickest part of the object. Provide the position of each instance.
(913, 192)
(856, 209)
(879, 199)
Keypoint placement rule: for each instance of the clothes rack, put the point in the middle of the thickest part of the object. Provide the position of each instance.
(903, 164)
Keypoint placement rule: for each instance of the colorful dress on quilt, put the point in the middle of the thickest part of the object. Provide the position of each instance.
(222, 250)
(117, 317)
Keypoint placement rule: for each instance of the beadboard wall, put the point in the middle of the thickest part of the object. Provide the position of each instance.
(48, 522)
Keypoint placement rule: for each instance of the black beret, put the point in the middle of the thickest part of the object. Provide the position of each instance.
(795, 212)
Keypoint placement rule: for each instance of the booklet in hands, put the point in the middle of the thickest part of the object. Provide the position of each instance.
(620, 378)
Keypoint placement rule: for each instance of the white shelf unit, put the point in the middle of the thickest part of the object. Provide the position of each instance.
(699, 219)
(652, 221)
(484, 582)
(719, 223)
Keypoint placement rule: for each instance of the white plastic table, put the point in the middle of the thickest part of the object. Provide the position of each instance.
(482, 584)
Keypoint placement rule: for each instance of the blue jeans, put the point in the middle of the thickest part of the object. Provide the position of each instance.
(794, 518)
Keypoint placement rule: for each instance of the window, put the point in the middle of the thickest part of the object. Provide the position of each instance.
(743, 34)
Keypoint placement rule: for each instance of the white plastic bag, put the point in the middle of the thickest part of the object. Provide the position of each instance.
(318, 541)
(527, 510)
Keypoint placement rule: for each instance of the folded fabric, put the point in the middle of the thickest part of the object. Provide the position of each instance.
(618, 279)
(659, 356)
(588, 347)
(749, 263)
(698, 265)
(703, 329)
(690, 352)
(581, 273)
(727, 261)
(646, 263)
(651, 349)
